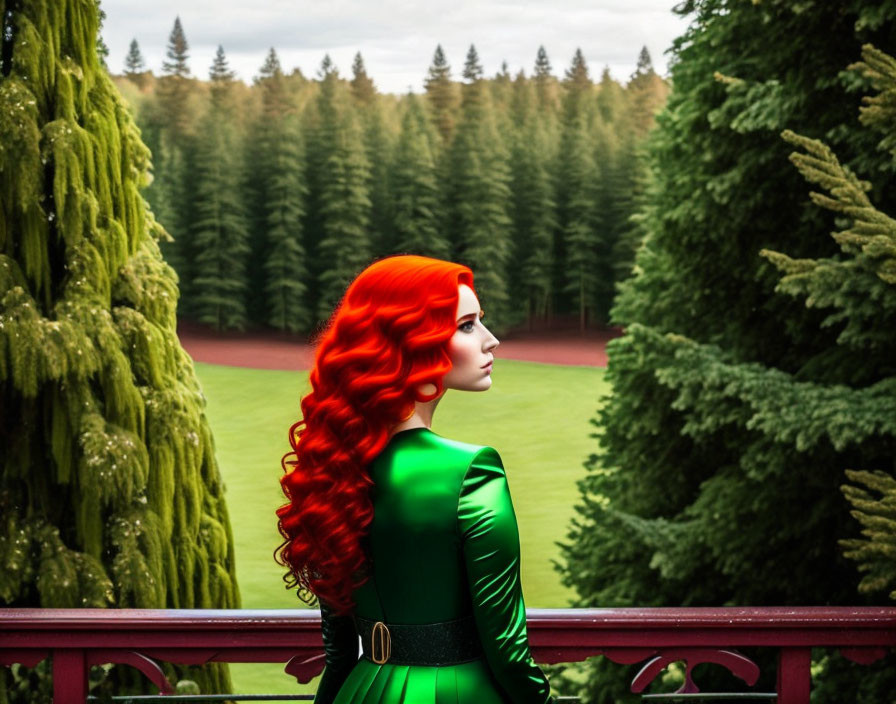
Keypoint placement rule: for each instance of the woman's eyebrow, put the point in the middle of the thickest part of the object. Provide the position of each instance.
(470, 315)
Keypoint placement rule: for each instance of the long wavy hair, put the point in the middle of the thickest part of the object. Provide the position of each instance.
(388, 336)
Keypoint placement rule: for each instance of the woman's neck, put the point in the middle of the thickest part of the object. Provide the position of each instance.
(421, 417)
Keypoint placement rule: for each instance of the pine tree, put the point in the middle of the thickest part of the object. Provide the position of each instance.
(479, 200)
(278, 263)
(415, 189)
(133, 62)
(171, 193)
(865, 273)
(327, 68)
(534, 217)
(219, 229)
(441, 94)
(472, 68)
(285, 268)
(727, 397)
(647, 93)
(176, 53)
(363, 89)
(343, 198)
(579, 248)
(109, 489)
(578, 218)
(545, 83)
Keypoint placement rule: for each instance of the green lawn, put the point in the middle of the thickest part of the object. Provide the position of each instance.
(535, 415)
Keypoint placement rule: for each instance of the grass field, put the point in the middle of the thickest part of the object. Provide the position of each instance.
(535, 415)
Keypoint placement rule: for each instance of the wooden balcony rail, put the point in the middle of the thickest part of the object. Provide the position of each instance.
(80, 638)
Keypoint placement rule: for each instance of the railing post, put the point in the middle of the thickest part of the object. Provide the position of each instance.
(69, 676)
(794, 677)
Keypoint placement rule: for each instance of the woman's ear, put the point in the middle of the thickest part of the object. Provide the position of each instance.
(427, 389)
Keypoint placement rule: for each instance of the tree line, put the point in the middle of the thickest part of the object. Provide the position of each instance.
(276, 194)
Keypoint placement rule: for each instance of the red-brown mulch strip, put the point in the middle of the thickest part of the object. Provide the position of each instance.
(273, 350)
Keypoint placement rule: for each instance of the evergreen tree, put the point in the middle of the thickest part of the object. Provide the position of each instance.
(578, 219)
(109, 489)
(133, 62)
(725, 394)
(176, 52)
(441, 94)
(415, 189)
(647, 93)
(285, 266)
(278, 268)
(579, 248)
(479, 201)
(327, 68)
(219, 229)
(534, 217)
(545, 83)
(343, 198)
(542, 64)
(472, 68)
(865, 274)
(363, 89)
(171, 193)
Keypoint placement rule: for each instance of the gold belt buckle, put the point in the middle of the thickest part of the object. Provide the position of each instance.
(380, 636)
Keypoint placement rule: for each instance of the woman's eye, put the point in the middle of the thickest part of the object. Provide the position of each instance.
(466, 326)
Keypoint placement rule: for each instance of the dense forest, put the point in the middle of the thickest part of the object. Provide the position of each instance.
(276, 194)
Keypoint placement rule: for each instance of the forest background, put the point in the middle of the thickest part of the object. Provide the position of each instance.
(754, 386)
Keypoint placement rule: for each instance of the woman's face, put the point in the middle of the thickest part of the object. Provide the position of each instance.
(471, 347)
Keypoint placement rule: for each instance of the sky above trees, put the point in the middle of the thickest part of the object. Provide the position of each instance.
(396, 38)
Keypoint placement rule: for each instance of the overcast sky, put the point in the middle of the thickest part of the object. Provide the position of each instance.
(397, 38)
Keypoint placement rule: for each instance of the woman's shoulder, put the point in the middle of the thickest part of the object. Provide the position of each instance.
(458, 453)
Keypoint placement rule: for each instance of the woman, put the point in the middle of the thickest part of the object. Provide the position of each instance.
(408, 539)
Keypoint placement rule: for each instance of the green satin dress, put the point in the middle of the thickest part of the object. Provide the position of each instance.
(444, 545)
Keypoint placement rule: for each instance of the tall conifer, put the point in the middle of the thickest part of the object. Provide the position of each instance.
(278, 266)
(343, 196)
(415, 188)
(479, 199)
(219, 229)
(441, 94)
(171, 192)
(363, 89)
(133, 62)
(726, 394)
(109, 490)
(579, 245)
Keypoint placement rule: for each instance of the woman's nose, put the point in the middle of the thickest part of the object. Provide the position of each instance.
(490, 342)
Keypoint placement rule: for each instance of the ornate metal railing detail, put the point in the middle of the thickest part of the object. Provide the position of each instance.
(79, 638)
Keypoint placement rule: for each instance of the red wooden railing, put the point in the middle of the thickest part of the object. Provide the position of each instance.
(79, 638)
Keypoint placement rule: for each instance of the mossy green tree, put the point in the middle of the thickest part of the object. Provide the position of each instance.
(728, 398)
(109, 490)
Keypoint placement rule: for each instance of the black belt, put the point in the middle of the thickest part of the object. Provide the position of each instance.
(432, 644)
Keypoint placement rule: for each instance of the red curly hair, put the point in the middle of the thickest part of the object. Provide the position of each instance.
(388, 336)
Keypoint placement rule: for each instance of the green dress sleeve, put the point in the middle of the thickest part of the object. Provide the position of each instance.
(491, 549)
(340, 652)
